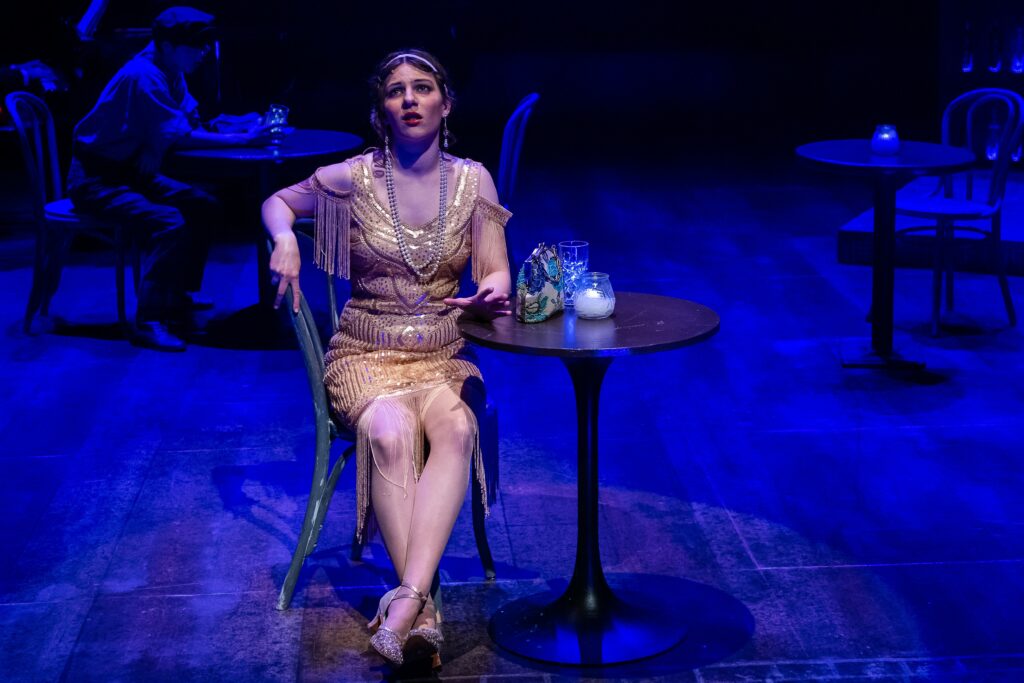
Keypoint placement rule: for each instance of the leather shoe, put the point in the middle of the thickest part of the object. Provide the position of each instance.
(152, 334)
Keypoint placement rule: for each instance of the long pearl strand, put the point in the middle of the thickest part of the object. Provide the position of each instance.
(437, 248)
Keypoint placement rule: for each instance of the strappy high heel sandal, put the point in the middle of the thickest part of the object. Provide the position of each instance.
(426, 641)
(386, 642)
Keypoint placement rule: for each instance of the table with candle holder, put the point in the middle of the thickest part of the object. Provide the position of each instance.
(590, 624)
(887, 172)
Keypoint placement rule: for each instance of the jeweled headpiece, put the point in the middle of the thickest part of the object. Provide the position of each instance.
(410, 55)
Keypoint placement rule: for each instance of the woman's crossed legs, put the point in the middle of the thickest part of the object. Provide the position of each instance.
(416, 517)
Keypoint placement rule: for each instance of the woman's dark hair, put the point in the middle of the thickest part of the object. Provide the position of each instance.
(422, 60)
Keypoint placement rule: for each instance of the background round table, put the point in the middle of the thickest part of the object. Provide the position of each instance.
(299, 144)
(589, 624)
(888, 173)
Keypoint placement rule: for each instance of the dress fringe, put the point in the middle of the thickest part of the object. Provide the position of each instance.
(332, 231)
(488, 238)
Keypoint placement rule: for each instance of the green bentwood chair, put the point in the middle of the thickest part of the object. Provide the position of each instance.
(989, 122)
(57, 220)
(330, 430)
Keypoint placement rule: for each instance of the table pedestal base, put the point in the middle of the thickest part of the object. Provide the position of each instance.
(633, 623)
(862, 356)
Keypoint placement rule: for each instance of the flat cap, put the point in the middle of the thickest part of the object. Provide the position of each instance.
(184, 26)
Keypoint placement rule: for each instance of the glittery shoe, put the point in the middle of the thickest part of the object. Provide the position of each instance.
(386, 642)
(425, 641)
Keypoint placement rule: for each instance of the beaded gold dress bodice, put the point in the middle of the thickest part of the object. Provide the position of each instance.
(397, 338)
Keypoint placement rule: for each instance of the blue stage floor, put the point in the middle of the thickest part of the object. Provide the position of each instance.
(869, 524)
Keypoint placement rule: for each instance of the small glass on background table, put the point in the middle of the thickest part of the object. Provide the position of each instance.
(276, 119)
(575, 257)
(885, 141)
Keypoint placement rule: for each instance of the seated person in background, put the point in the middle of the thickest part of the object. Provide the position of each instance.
(119, 147)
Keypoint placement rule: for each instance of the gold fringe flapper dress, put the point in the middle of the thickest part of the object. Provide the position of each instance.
(398, 344)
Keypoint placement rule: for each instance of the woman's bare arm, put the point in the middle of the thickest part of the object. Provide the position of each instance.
(280, 211)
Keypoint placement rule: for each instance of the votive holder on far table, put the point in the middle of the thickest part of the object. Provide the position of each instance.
(575, 257)
(594, 298)
(885, 141)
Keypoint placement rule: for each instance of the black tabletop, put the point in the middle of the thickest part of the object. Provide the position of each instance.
(855, 156)
(300, 143)
(642, 323)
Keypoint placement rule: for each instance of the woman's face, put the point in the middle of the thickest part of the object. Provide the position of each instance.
(413, 104)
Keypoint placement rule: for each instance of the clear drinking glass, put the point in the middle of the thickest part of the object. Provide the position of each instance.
(276, 118)
(575, 256)
(594, 298)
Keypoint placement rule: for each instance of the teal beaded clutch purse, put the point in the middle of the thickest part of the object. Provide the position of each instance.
(539, 292)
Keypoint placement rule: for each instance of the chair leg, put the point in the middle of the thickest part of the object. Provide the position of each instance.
(483, 548)
(313, 505)
(39, 279)
(56, 252)
(328, 494)
(949, 252)
(136, 263)
(356, 555)
(119, 247)
(937, 246)
(1004, 284)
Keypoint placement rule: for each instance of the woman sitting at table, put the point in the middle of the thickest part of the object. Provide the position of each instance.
(402, 221)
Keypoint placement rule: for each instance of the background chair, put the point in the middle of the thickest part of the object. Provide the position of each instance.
(512, 145)
(988, 122)
(55, 217)
(329, 430)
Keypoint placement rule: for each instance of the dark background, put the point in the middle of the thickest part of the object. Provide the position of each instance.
(631, 81)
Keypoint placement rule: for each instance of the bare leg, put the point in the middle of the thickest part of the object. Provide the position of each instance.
(392, 483)
(451, 430)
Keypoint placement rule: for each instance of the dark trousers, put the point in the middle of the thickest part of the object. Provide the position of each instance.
(173, 219)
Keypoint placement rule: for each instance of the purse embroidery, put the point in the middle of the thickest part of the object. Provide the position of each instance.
(539, 286)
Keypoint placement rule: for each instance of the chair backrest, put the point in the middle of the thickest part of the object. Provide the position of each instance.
(38, 137)
(988, 121)
(512, 145)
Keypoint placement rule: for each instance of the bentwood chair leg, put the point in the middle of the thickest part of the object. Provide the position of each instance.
(313, 505)
(435, 594)
(1004, 284)
(299, 556)
(357, 547)
(937, 268)
(136, 263)
(39, 279)
(119, 247)
(56, 251)
(327, 494)
(950, 254)
(483, 548)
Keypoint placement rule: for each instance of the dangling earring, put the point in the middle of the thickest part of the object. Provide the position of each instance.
(444, 126)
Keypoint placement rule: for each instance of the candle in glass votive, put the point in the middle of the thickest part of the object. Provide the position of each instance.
(594, 298)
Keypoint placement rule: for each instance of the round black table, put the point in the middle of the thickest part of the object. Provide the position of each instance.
(300, 144)
(888, 173)
(589, 624)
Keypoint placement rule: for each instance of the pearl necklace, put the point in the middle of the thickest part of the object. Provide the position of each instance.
(426, 271)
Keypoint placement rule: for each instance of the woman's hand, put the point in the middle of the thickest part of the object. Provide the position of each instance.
(284, 267)
(484, 305)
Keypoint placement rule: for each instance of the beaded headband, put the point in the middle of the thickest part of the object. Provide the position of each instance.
(411, 56)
